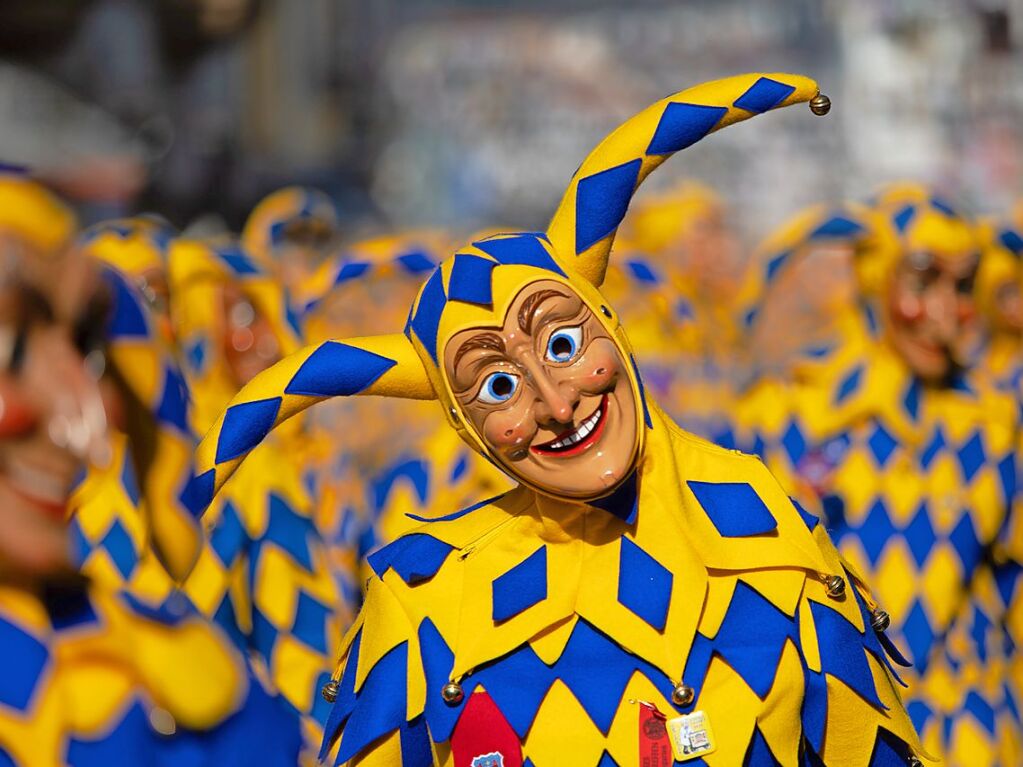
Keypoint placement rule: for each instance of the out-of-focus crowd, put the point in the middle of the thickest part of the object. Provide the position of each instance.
(869, 351)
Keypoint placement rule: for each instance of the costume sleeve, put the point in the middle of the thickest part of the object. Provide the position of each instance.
(852, 715)
(378, 717)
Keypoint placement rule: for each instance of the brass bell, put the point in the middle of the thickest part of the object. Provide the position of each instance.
(683, 694)
(329, 691)
(835, 584)
(820, 104)
(880, 620)
(452, 693)
(914, 762)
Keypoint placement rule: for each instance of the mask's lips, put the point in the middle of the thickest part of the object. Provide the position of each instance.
(579, 438)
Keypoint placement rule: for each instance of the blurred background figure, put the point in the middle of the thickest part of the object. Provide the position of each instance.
(910, 458)
(265, 575)
(295, 229)
(1000, 300)
(91, 675)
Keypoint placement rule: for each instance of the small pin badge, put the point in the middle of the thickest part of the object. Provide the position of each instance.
(691, 736)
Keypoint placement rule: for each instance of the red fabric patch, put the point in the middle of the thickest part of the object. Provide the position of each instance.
(654, 746)
(483, 737)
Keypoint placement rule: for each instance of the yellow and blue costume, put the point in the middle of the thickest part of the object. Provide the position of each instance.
(916, 484)
(264, 575)
(138, 505)
(1001, 268)
(695, 585)
(265, 228)
(93, 677)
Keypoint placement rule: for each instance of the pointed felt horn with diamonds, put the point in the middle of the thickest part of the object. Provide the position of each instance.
(596, 201)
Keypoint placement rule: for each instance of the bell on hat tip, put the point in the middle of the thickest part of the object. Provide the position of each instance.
(880, 620)
(452, 693)
(682, 695)
(820, 104)
(329, 691)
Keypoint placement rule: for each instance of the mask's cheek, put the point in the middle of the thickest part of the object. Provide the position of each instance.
(509, 429)
(597, 369)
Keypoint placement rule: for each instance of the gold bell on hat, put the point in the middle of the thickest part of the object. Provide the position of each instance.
(329, 691)
(880, 620)
(683, 694)
(452, 693)
(820, 104)
(835, 585)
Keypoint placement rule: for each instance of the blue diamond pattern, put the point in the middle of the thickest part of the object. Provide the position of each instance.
(338, 370)
(775, 263)
(416, 262)
(470, 280)
(920, 535)
(311, 619)
(644, 584)
(734, 508)
(882, 444)
(903, 217)
(642, 271)
(682, 125)
(919, 635)
(173, 409)
(521, 587)
(971, 456)
(935, 446)
(764, 94)
(526, 249)
(849, 384)
(228, 535)
(118, 544)
(837, 226)
(19, 681)
(794, 443)
(428, 312)
(245, 426)
(875, 532)
(128, 318)
(601, 201)
(964, 540)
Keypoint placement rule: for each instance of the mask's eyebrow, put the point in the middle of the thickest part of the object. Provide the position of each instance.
(489, 341)
(528, 309)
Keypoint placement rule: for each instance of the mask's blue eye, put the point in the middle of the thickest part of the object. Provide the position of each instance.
(498, 388)
(564, 344)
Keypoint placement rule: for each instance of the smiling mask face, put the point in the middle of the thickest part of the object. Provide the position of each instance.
(549, 393)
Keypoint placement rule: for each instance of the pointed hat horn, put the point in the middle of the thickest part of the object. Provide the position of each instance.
(598, 197)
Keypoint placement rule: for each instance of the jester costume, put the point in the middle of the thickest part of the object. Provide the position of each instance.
(556, 626)
(91, 676)
(264, 574)
(999, 277)
(916, 483)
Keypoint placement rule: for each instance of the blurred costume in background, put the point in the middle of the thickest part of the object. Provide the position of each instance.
(912, 460)
(1000, 299)
(264, 574)
(91, 676)
(386, 489)
(641, 595)
(686, 231)
(293, 230)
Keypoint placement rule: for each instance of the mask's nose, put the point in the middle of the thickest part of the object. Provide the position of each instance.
(556, 402)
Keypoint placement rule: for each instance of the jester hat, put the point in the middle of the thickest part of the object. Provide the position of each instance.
(197, 271)
(133, 246)
(32, 214)
(474, 288)
(1001, 264)
(267, 224)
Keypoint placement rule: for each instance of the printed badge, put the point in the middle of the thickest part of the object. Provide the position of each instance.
(691, 736)
(493, 759)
